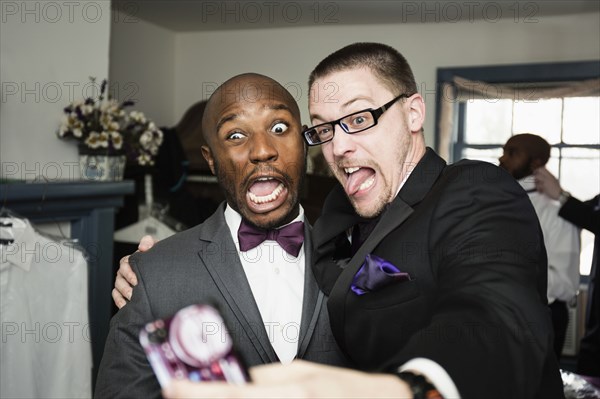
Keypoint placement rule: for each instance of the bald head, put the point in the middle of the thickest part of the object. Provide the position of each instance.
(534, 146)
(252, 129)
(247, 88)
(524, 153)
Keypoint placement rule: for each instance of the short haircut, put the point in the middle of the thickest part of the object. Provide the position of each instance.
(386, 63)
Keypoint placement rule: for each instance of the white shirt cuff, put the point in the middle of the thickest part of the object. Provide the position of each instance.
(434, 373)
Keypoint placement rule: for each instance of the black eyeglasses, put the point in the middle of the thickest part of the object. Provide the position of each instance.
(353, 123)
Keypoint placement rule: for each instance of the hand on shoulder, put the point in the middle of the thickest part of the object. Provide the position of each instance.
(126, 278)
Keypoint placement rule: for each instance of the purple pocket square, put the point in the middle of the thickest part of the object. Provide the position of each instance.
(375, 274)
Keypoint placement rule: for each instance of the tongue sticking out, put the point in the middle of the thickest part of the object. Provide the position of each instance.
(357, 179)
(263, 187)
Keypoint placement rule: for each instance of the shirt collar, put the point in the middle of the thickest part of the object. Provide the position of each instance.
(403, 182)
(25, 246)
(528, 183)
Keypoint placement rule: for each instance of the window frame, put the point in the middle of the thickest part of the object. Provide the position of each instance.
(498, 74)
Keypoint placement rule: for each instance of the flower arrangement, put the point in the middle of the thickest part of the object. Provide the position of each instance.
(102, 126)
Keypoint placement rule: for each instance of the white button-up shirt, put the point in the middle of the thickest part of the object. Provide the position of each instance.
(277, 282)
(562, 242)
(45, 347)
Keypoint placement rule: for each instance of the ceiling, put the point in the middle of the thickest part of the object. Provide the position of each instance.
(197, 15)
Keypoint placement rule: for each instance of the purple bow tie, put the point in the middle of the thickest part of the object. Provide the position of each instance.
(290, 237)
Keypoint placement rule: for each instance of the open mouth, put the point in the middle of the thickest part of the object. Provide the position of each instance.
(265, 189)
(359, 179)
(266, 193)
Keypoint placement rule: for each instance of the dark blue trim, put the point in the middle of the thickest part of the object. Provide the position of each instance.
(524, 73)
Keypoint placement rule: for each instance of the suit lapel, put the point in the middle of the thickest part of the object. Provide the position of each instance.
(219, 255)
(420, 182)
(394, 216)
(313, 298)
(330, 246)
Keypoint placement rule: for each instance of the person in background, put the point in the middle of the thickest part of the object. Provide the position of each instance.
(522, 155)
(251, 258)
(436, 273)
(180, 157)
(587, 216)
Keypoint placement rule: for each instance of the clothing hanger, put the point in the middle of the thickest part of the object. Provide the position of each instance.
(148, 225)
(9, 223)
(6, 230)
(8, 220)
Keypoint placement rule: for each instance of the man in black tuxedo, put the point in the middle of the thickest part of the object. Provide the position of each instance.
(435, 274)
(265, 289)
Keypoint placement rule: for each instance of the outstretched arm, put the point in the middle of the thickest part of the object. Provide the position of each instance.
(299, 379)
(582, 214)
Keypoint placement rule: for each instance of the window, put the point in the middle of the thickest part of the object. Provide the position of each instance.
(571, 125)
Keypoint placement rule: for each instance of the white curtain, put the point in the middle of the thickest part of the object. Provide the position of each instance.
(464, 90)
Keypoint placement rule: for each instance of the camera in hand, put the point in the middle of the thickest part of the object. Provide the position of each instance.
(193, 344)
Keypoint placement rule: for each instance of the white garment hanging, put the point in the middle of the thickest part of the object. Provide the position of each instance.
(45, 349)
(148, 225)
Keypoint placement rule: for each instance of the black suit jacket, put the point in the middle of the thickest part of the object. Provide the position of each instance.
(197, 266)
(469, 238)
(587, 215)
(583, 214)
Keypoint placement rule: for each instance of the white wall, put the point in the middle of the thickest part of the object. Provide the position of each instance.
(47, 52)
(142, 66)
(289, 54)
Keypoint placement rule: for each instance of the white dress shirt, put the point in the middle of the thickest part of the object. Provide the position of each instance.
(45, 348)
(277, 282)
(562, 242)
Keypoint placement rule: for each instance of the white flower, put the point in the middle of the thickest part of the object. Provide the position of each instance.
(73, 119)
(159, 137)
(146, 139)
(103, 140)
(137, 116)
(117, 140)
(86, 109)
(110, 106)
(105, 120)
(92, 140)
(78, 133)
(144, 159)
(62, 131)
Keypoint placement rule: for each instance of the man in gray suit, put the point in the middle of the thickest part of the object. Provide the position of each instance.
(264, 287)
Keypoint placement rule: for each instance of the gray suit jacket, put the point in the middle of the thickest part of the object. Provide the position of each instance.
(201, 265)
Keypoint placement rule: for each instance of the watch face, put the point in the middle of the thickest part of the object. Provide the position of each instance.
(194, 344)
